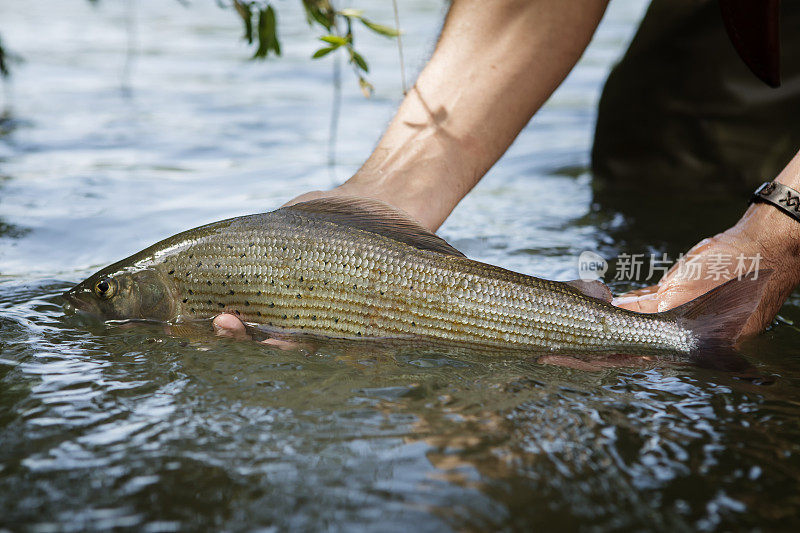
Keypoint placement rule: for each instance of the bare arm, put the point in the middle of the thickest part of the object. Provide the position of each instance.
(496, 63)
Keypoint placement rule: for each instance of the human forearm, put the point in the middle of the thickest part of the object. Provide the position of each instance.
(494, 66)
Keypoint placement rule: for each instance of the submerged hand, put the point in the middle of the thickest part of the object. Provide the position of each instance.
(761, 240)
(228, 325)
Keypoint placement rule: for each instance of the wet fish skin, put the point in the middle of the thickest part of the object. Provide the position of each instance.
(299, 273)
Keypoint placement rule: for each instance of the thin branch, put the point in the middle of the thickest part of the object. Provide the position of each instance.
(333, 131)
(400, 47)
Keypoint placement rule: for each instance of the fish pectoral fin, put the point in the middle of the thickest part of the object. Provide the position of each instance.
(373, 216)
(592, 288)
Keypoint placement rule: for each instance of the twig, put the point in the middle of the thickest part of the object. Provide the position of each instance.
(333, 130)
(400, 47)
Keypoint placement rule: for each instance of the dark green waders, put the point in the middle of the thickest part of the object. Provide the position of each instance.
(685, 131)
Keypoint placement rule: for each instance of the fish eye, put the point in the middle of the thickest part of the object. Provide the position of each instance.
(105, 288)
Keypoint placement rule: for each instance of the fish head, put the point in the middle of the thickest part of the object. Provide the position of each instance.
(122, 294)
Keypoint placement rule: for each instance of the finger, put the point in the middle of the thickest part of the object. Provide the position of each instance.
(227, 325)
(647, 302)
(641, 292)
(679, 292)
(286, 345)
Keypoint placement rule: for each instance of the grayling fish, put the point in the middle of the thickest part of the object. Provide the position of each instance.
(350, 269)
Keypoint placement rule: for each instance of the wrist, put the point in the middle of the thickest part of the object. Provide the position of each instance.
(775, 236)
(775, 232)
(425, 174)
(771, 216)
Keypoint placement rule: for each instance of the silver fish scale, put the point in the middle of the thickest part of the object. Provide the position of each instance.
(351, 283)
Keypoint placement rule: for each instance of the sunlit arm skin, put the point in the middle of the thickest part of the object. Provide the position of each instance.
(494, 66)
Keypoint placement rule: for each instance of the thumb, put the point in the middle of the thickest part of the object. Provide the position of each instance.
(227, 325)
(640, 300)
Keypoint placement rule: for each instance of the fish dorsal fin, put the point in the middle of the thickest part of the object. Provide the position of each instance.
(376, 217)
(593, 288)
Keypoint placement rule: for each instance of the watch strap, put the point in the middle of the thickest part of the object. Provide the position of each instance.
(784, 198)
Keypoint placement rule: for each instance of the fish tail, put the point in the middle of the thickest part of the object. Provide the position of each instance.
(718, 316)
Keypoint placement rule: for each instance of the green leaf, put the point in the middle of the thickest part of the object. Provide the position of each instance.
(322, 52)
(319, 11)
(366, 87)
(380, 28)
(276, 46)
(358, 60)
(323, 20)
(350, 12)
(4, 72)
(267, 33)
(243, 9)
(335, 40)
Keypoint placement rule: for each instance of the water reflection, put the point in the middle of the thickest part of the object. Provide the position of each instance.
(132, 418)
(106, 427)
(7, 126)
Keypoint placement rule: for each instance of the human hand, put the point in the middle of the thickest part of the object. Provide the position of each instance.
(764, 239)
(228, 325)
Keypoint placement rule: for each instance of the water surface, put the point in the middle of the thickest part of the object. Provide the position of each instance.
(107, 427)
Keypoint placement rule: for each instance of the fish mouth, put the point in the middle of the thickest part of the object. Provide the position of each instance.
(71, 304)
(69, 308)
(69, 301)
(74, 305)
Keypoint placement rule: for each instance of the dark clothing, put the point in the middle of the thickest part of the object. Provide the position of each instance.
(681, 111)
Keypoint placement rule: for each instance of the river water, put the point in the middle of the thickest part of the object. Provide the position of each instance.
(130, 121)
